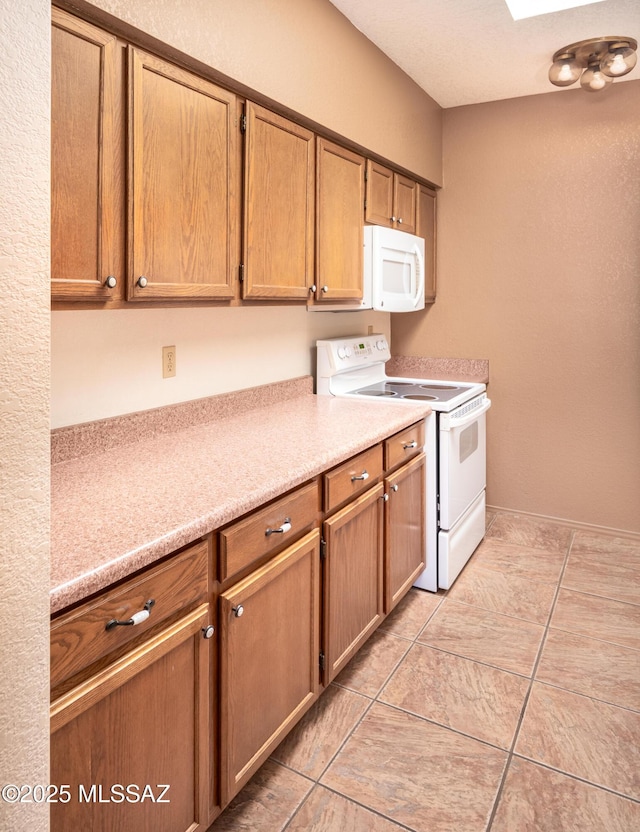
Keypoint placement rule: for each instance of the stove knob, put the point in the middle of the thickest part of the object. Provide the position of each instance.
(381, 344)
(348, 351)
(341, 352)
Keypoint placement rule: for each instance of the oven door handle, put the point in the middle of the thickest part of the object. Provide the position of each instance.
(447, 423)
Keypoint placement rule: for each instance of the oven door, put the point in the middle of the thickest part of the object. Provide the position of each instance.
(463, 459)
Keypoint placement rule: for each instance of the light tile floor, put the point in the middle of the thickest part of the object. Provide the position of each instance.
(510, 703)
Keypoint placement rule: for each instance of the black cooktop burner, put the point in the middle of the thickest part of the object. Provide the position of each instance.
(378, 393)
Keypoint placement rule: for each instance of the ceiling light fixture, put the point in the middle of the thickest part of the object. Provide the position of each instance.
(596, 62)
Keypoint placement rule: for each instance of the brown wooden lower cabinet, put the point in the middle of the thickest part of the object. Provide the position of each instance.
(404, 530)
(353, 578)
(269, 658)
(132, 741)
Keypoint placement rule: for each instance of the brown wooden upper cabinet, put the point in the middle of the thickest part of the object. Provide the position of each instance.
(183, 173)
(87, 161)
(279, 175)
(426, 227)
(339, 225)
(391, 198)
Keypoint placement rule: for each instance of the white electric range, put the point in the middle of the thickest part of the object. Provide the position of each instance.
(455, 444)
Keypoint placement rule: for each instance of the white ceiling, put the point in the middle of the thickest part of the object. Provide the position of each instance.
(470, 51)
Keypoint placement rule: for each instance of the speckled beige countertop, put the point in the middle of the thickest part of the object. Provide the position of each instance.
(119, 508)
(443, 369)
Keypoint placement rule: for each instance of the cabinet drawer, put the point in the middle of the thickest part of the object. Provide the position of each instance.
(352, 477)
(259, 534)
(81, 637)
(403, 445)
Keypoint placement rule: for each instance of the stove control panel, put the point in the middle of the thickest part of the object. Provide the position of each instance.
(338, 355)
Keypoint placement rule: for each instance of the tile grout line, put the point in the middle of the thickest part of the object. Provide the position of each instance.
(579, 779)
(450, 652)
(527, 696)
(595, 638)
(316, 781)
(373, 701)
(589, 696)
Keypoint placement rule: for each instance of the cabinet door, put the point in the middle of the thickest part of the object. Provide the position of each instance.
(379, 203)
(426, 227)
(269, 653)
(145, 720)
(182, 179)
(339, 222)
(278, 207)
(87, 159)
(353, 578)
(404, 203)
(391, 198)
(405, 530)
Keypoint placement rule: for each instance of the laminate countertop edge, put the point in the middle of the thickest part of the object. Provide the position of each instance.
(119, 510)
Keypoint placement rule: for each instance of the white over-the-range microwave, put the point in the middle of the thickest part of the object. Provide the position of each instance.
(393, 273)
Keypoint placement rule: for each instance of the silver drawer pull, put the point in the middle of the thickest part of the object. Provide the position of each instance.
(363, 476)
(394, 487)
(285, 527)
(413, 444)
(136, 618)
(238, 611)
(208, 631)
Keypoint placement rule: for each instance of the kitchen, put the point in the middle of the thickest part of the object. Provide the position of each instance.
(553, 305)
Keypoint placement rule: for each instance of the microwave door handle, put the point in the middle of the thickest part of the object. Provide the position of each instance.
(419, 294)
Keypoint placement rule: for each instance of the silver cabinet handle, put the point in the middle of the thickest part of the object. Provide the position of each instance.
(363, 476)
(325, 289)
(207, 632)
(313, 288)
(399, 219)
(394, 487)
(136, 618)
(393, 219)
(238, 611)
(413, 444)
(385, 498)
(111, 282)
(142, 281)
(285, 527)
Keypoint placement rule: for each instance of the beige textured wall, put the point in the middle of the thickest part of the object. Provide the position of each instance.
(307, 56)
(24, 405)
(119, 368)
(539, 271)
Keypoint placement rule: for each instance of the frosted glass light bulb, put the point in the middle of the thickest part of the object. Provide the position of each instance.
(593, 80)
(566, 73)
(619, 60)
(564, 70)
(618, 66)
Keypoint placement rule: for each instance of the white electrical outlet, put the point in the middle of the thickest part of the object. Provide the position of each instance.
(168, 362)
